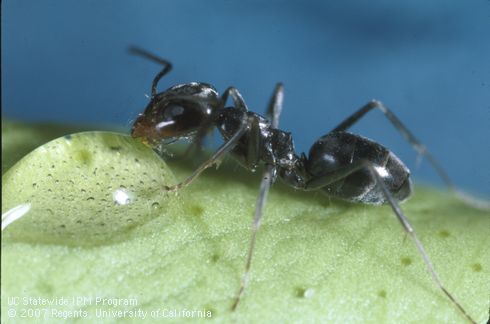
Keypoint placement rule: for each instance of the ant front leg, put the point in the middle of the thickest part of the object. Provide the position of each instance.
(238, 103)
(343, 172)
(245, 126)
(217, 156)
(268, 178)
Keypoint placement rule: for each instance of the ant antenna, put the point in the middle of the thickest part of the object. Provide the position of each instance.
(167, 66)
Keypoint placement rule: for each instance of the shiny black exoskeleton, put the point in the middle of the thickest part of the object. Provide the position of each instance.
(340, 164)
(189, 110)
(178, 112)
(335, 164)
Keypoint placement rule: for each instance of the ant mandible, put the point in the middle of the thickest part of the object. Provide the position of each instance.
(341, 164)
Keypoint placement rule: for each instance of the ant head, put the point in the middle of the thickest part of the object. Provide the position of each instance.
(176, 113)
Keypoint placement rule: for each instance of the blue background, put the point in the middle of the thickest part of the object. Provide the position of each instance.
(429, 61)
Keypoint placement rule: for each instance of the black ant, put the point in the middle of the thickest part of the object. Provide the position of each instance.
(341, 164)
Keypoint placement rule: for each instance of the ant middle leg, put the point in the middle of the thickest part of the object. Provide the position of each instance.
(274, 110)
(415, 143)
(268, 178)
(167, 66)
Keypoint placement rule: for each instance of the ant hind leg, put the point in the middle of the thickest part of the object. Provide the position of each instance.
(411, 232)
(341, 173)
(416, 144)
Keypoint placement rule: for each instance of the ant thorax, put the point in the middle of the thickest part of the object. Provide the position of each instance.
(268, 145)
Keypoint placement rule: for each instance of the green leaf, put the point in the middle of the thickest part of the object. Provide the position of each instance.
(18, 139)
(316, 259)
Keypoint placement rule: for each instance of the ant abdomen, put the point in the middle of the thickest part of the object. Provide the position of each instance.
(342, 150)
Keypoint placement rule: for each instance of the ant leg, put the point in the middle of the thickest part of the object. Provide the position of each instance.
(196, 147)
(167, 66)
(333, 176)
(216, 157)
(268, 178)
(410, 231)
(238, 103)
(274, 110)
(275, 105)
(247, 124)
(416, 144)
(237, 98)
(346, 171)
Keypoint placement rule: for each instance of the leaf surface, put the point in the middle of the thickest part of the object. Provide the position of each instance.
(316, 259)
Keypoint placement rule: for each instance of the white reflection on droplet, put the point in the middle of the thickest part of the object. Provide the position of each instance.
(122, 197)
(14, 214)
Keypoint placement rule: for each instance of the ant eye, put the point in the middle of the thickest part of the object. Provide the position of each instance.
(178, 118)
(173, 112)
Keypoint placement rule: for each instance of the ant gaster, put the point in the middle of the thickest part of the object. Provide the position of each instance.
(341, 164)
